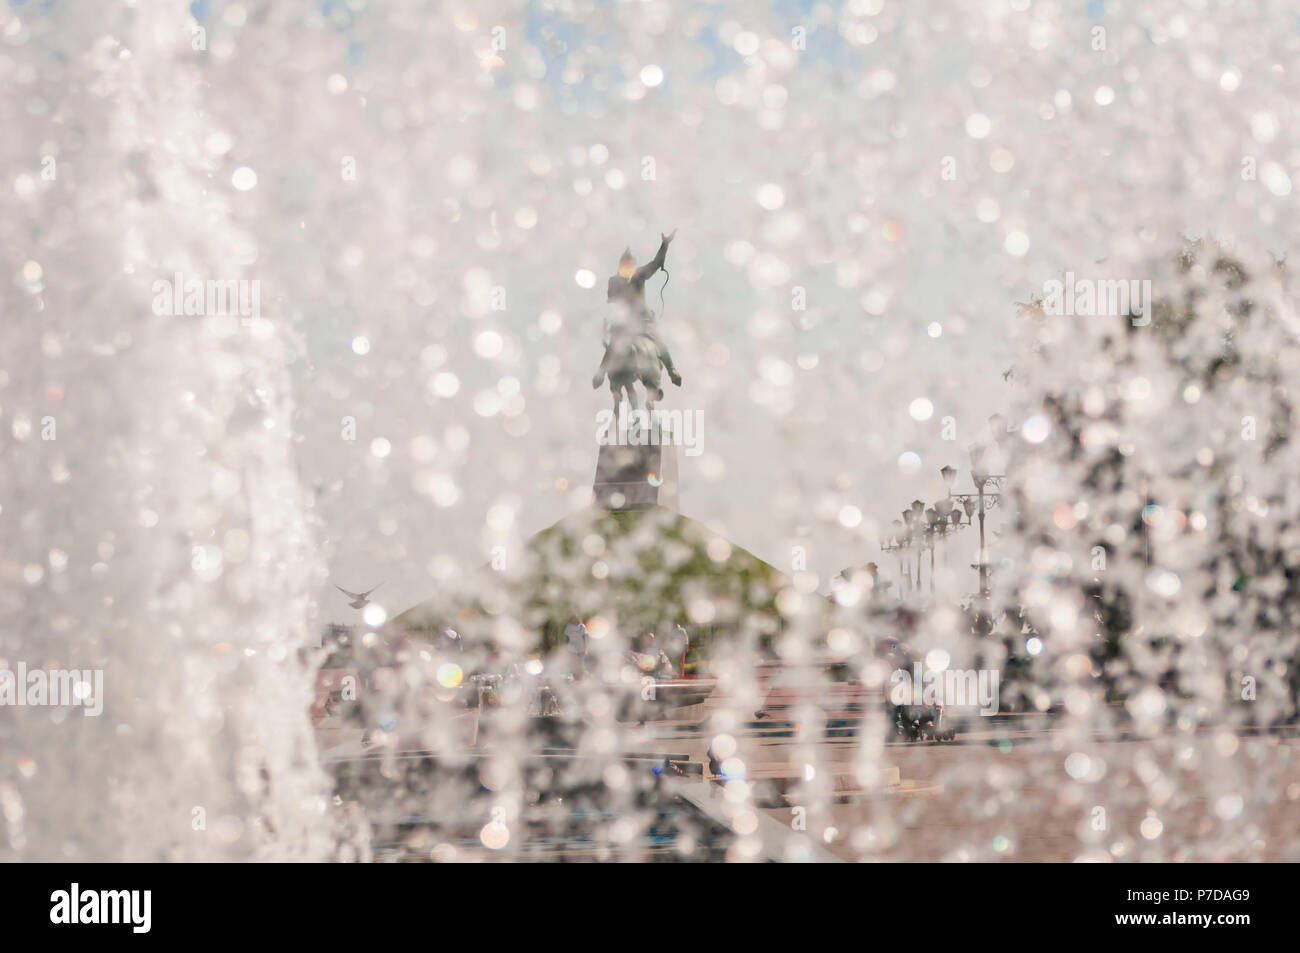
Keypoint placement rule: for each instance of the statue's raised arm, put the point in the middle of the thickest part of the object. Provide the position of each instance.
(648, 269)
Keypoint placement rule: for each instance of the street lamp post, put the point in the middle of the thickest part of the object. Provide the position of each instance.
(915, 520)
(943, 518)
(976, 504)
(898, 544)
(918, 530)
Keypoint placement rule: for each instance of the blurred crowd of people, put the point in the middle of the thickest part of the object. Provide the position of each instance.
(661, 657)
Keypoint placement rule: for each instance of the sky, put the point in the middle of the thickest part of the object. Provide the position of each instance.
(910, 174)
(780, 169)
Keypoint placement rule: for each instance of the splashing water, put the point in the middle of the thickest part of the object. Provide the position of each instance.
(309, 293)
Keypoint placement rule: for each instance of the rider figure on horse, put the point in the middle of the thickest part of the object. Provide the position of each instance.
(633, 348)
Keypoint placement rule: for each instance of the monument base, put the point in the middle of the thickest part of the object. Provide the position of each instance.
(630, 477)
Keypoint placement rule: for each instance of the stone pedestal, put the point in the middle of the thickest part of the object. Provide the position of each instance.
(637, 477)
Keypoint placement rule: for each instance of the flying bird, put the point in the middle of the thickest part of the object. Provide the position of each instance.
(359, 599)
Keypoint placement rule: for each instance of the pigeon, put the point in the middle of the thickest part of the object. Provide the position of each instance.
(359, 599)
